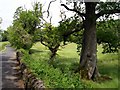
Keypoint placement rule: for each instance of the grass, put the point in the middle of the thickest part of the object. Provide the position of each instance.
(66, 61)
(2, 45)
(108, 66)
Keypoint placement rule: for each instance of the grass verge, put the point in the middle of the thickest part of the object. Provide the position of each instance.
(2, 45)
(61, 75)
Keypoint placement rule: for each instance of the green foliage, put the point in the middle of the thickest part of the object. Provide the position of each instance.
(104, 9)
(19, 38)
(66, 28)
(0, 35)
(25, 25)
(107, 35)
(103, 6)
(50, 35)
(2, 45)
(51, 38)
(77, 38)
(65, 64)
(0, 20)
(68, 25)
(28, 21)
(4, 35)
(52, 77)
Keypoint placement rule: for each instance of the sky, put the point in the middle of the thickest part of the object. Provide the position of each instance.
(8, 7)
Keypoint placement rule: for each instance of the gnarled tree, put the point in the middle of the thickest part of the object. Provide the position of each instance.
(92, 11)
(50, 38)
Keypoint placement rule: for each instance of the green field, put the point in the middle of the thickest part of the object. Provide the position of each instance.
(2, 45)
(67, 59)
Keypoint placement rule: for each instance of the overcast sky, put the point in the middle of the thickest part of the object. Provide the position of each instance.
(8, 7)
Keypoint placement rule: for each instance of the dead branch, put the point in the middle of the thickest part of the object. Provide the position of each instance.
(49, 7)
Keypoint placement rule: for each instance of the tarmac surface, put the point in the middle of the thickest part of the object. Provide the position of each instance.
(9, 71)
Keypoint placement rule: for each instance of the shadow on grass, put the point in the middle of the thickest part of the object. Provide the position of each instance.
(32, 51)
(66, 64)
(108, 69)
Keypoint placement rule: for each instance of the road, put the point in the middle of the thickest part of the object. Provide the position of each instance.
(9, 80)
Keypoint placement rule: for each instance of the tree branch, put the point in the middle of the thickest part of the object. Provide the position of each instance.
(41, 40)
(44, 43)
(77, 29)
(49, 7)
(62, 13)
(107, 12)
(74, 10)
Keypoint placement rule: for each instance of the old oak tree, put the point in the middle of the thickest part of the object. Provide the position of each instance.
(90, 13)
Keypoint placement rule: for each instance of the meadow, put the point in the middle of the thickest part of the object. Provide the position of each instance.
(61, 74)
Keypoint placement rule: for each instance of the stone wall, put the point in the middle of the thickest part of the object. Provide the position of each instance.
(30, 81)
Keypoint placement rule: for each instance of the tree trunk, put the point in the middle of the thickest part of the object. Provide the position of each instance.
(53, 52)
(88, 59)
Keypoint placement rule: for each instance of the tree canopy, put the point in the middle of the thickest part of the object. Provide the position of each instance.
(83, 28)
(25, 26)
(89, 14)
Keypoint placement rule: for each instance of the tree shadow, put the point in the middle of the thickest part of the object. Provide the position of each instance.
(107, 69)
(32, 51)
(66, 64)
